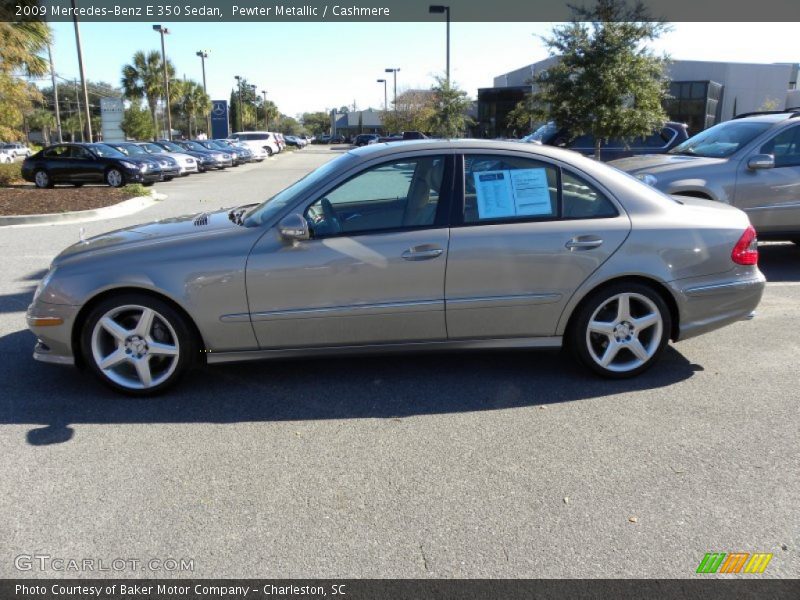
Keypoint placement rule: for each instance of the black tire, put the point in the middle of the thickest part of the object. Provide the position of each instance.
(587, 346)
(269, 151)
(42, 179)
(114, 177)
(77, 184)
(176, 327)
(148, 183)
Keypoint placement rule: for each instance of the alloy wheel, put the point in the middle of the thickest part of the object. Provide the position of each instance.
(624, 332)
(114, 178)
(135, 347)
(42, 179)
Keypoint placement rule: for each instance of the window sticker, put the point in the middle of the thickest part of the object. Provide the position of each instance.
(512, 193)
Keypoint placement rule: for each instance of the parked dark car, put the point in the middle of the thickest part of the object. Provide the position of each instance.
(239, 156)
(337, 139)
(414, 135)
(169, 166)
(87, 163)
(364, 139)
(395, 137)
(202, 160)
(219, 159)
(658, 142)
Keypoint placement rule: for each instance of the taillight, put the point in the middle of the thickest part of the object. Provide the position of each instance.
(745, 252)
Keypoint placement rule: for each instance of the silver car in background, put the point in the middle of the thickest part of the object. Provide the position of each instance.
(751, 162)
(412, 246)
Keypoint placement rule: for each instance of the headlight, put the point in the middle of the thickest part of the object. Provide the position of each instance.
(647, 178)
(43, 284)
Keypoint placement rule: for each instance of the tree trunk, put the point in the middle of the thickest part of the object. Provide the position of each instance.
(597, 149)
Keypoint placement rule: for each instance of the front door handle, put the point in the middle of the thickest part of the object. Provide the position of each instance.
(424, 252)
(584, 243)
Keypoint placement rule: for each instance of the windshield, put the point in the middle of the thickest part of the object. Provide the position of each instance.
(130, 149)
(106, 151)
(543, 133)
(195, 146)
(721, 140)
(153, 148)
(266, 210)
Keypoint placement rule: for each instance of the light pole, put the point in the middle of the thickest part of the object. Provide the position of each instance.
(203, 54)
(164, 31)
(266, 116)
(394, 72)
(385, 103)
(238, 79)
(55, 94)
(439, 9)
(83, 74)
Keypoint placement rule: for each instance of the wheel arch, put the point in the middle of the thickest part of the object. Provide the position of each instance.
(88, 306)
(657, 286)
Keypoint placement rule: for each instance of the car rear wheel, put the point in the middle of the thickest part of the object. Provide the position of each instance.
(269, 151)
(137, 344)
(115, 178)
(42, 179)
(621, 330)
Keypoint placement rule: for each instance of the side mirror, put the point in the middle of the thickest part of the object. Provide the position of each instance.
(761, 161)
(294, 227)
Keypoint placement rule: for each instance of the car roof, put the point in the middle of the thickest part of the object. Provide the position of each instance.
(768, 118)
(389, 148)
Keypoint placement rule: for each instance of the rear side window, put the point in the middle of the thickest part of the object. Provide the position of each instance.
(581, 200)
(499, 188)
(56, 151)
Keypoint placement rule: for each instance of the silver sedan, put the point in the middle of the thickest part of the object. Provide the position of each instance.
(412, 246)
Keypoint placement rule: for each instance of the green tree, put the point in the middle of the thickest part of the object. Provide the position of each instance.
(42, 120)
(607, 83)
(20, 45)
(190, 104)
(450, 105)
(143, 78)
(317, 123)
(137, 122)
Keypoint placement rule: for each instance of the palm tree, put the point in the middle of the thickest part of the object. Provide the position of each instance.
(144, 78)
(270, 110)
(195, 102)
(20, 43)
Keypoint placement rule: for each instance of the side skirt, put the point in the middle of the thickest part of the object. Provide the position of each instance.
(505, 343)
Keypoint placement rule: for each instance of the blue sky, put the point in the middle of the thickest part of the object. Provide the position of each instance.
(317, 66)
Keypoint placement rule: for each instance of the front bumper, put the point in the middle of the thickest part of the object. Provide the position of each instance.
(139, 177)
(706, 304)
(170, 172)
(53, 341)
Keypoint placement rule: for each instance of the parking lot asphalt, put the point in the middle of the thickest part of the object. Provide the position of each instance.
(505, 464)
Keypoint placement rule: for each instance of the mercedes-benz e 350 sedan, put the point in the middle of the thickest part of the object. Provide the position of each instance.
(407, 246)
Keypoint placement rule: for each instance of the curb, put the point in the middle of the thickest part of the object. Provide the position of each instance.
(121, 209)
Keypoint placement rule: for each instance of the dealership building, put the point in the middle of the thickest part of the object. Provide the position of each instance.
(703, 93)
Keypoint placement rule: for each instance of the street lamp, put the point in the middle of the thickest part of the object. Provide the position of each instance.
(255, 103)
(266, 116)
(439, 9)
(203, 54)
(164, 31)
(239, 87)
(385, 103)
(394, 72)
(83, 74)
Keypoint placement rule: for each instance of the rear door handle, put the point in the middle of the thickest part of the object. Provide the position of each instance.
(423, 252)
(583, 243)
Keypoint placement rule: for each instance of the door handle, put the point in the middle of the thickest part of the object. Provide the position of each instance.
(424, 252)
(583, 243)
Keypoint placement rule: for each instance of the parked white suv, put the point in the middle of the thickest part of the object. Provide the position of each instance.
(258, 139)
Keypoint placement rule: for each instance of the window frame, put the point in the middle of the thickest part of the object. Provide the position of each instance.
(443, 208)
(459, 192)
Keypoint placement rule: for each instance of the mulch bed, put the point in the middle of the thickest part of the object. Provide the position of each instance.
(29, 200)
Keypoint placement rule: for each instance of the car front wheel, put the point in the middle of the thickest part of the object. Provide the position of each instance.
(42, 179)
(137, 344)
(621, 330)
(115, 178)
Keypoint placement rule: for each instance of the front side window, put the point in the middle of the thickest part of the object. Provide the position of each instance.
(499, 188)
(785, 147)
(401, 194)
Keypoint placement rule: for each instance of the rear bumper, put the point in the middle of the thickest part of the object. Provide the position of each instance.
(706, 305)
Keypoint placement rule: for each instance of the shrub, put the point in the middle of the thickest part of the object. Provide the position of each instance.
(136, 189)
(10, 173)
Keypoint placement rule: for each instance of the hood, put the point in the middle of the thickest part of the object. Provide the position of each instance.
(661, 163)
(185, 227)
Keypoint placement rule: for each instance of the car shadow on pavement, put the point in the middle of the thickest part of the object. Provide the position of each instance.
(780, 262)
(53, 398)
